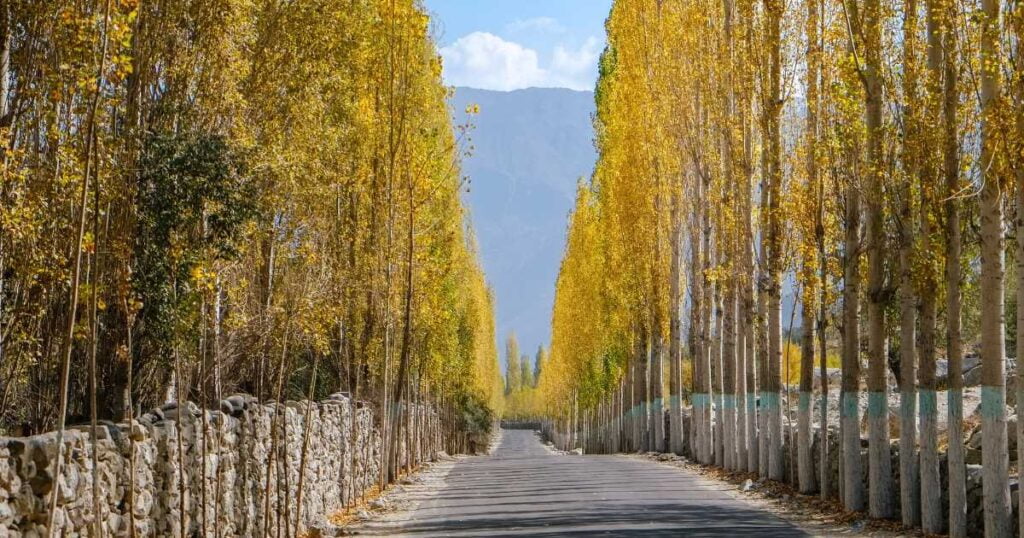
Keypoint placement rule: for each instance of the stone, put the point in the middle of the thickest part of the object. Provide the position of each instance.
(970, 361)
(237, 449)
(975, 439)
(972, 377)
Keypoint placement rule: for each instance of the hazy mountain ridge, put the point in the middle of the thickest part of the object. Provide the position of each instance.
(530, 148)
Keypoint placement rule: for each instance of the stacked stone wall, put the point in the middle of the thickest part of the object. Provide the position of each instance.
(231, 479)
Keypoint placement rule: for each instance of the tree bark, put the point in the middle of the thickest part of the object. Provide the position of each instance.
(910, 491)
(674, 344)
(993, 369)
(772, 396)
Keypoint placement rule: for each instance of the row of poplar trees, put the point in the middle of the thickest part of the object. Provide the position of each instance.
(870, 151)
(201, 197)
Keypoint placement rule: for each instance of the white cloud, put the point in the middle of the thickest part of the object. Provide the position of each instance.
(484, 60)
(575, 66)
(536, 24)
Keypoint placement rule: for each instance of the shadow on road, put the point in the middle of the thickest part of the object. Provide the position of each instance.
(525, 490)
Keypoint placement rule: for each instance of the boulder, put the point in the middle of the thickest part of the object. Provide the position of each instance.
(970, 361)
(894, 421)
(975, 439)
(834, 376)
(941, 373)
(972, 377)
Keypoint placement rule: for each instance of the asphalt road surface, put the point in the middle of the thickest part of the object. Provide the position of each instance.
(523, 489)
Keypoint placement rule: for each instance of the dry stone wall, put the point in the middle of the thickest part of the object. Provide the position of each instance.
(231, 478)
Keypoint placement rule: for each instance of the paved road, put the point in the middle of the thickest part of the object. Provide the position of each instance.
(522, 489)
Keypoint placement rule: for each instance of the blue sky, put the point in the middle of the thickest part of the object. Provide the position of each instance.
(513, 44)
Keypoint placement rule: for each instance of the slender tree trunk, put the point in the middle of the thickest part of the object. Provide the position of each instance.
(674, 344)
(761, 334)
(94, 279)
(698, 352)
(931, 505)
(656, 419)
(954, 346)
(909, 488)
(68, 344)
(879, 459)
(774, 12)
(849, 405)
(815, 181)
(707, 352)
(310, 409)
(806, 436)
(1018, 167)
(728, 398)
(824, 473)
(750, 314)
(993, 369)
(716, 377)
(910, 491)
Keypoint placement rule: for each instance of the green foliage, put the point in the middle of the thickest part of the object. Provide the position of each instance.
(194, 201)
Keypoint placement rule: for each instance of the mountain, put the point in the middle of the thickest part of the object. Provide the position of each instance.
(529, 149)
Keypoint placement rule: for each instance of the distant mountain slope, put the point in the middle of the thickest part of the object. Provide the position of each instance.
(531, 146)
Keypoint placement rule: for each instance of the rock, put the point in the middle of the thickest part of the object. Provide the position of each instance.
(138, 431)
(379, 503)
(972, 377)
(975, 439)
(834, 376)
(241, 429)
(894, 421)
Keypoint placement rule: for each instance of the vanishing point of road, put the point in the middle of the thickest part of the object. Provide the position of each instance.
(523, 489)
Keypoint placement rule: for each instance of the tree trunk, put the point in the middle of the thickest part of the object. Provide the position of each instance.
(930, 501)
(728, 398)
(879, 459)
(674, 351)
(716, 377)
(954, 346)
(1018, 167)
(707, 351)
(849, 405)
(910, 491)
(774, 12)
(698, 353)
(750, 314)
(993, 369)
(806, 437)
(656, 414)
(68, 344)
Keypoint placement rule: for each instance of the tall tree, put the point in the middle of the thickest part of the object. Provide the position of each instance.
(993, 369)
(513, 381)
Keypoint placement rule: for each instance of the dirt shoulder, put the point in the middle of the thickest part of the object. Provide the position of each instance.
(808, 512)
